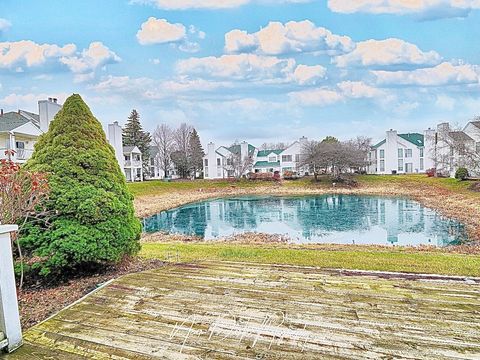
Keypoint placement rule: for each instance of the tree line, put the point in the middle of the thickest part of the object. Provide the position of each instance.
(175, 147)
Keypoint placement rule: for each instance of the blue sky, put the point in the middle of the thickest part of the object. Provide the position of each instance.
(260, 70)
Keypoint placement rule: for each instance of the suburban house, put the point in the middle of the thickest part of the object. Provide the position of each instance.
(129, 157)
(19, 130)
(442, 149)
(400, 154)
(155, 169)
(241, 159)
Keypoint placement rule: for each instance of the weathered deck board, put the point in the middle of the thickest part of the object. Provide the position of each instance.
(250, 311)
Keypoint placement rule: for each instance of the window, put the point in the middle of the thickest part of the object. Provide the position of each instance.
(382, 164)
(20, 144)
(287, 158)
(400, 154)
(272, 159)
(421, 164)
(408, 153)
(206, 162)
(382, 154)
(206, 171)
(219, 162)
(127, 157)
(152, 161)
(400, 164)
(477, 147)
(297, 156)
(421, 152)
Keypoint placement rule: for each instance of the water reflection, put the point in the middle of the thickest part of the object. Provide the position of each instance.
(342, 219)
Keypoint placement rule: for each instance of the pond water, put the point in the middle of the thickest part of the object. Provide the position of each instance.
(339, 219)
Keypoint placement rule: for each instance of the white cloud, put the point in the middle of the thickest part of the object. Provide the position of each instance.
(159, 31)
(208, 4)
(316, 97)
(386, 53)
(149, 89)
(85, 64)
(4, 25)
(425, 8)
(306, 75)
(358, 89)
(293, 37)
(251, 67)
(155, 61)
(440, 75)
(445, 102)
(26, 53)
(29, 101)
(238, 67)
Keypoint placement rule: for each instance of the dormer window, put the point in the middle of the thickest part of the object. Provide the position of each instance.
(272, 159)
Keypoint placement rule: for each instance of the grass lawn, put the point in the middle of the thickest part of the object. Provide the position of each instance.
(347, 257)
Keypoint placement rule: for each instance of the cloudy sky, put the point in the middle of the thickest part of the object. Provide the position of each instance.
(261, 70)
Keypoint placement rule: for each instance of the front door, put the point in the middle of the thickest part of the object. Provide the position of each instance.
(409, 168)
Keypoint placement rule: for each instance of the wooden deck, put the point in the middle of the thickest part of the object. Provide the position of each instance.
(247, 311)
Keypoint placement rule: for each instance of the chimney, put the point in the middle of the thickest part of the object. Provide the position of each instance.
(1, 112)
(244, 150)
(47, 109)
(115, 139)
(55, 100)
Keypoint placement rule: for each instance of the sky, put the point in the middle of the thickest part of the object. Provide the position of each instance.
(255, 70)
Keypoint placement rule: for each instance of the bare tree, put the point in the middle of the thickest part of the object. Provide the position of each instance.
(275, 146)
(181, 139)
(335, 157)
(238, 164)
(163, 140)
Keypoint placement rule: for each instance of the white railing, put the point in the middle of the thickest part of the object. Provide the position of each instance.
(10, 328)
(134, 163)
(19, 154)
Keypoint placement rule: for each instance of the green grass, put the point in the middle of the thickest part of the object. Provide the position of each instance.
(358, 258)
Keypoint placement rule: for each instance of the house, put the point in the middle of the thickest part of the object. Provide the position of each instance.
(133, 167)
(19, 130)
(401, 154)
(241, 159)
(155, 169)
(472, 129)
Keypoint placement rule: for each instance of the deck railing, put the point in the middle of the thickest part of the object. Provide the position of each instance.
(10, 328)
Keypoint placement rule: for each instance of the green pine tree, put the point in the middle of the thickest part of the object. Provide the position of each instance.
(196, 152)
(92, 216)
(134, 135)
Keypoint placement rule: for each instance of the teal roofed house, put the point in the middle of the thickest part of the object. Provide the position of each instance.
(407, 153)
(224, 162)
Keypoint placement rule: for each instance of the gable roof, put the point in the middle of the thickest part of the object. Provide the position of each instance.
(235, 149)
(12, 120)
(459, 136)
(415, 138)
(263, 153)
(131, 149)
(475, 123)
(379, 144)
(153, 151)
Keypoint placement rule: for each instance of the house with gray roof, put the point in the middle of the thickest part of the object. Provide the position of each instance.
(19, 130)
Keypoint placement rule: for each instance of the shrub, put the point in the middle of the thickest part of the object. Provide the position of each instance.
(93, 220)
(461, 174)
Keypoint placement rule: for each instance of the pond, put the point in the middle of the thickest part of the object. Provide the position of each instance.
(337, 219)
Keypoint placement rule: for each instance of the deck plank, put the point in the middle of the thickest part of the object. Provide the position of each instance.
(223, 310)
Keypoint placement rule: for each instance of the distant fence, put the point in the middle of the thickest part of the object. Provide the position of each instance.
(10, 328)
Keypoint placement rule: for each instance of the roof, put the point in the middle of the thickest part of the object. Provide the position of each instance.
(475, 123)
(459, 136)
(12, 120)
(379, 144)
(415, 138)
(130, 149)
(153, 151)
(235, 149)
(263, 153)
(262, 164)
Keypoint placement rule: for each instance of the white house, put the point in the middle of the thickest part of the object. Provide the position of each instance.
(217, 163)
(132, 163)
(401, 154)
(19, 130)
(155, 169)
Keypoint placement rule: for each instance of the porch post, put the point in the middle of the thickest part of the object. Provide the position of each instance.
(9, 315)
